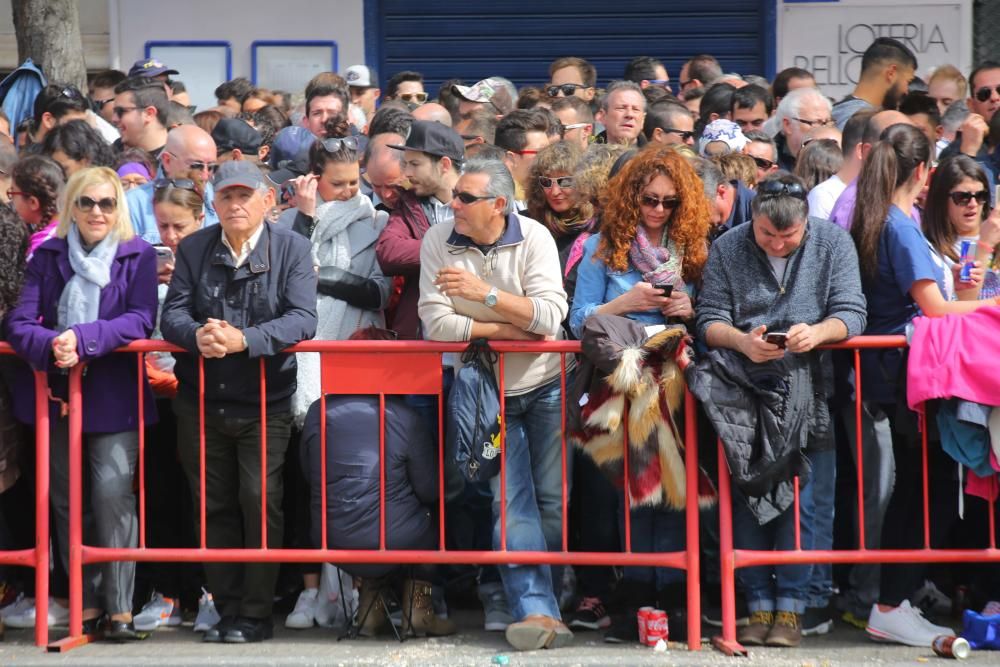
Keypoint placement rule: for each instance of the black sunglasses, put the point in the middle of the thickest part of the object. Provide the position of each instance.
(762, 163)
(776, 188)
(333, 144)
(107, 204)
(683, 134)
(179, 183)
(469, 198)
(963, 198)
(566, 89)
(985, 93)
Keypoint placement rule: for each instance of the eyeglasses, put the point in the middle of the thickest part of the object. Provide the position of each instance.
(121, 111)
(963, 198)
(469, 198)
(418, 98)
(564, 182)
(683, 134)
(826, 122)
(100, 103)
(985, 93)
(11, 193)
(763, 163)
(334, 144)
(179, 183)
(566, 89)
(573, 126)
(107, 204)
(210, 167)
(667, 203)
(776, 188)
(662, 83)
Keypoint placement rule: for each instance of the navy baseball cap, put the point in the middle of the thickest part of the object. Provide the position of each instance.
(149, 67)
(238, 173)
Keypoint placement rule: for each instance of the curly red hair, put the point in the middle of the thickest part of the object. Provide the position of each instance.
(688, 224)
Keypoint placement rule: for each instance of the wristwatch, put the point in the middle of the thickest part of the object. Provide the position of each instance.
(491, 298)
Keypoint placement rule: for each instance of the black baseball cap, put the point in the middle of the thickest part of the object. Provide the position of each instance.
(230, 133)
(433, 138)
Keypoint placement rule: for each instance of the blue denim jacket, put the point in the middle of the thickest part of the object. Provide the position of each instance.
(596, 285)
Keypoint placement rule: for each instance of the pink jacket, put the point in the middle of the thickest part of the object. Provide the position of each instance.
(954, 356)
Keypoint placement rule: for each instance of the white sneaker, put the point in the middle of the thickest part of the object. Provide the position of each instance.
(208, 616)
(303, 616)
(58, 616)
(929, 599)
(17, 606)
(903, 625)
(158, 611)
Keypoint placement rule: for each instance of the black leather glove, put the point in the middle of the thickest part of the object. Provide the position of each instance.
(346, 286)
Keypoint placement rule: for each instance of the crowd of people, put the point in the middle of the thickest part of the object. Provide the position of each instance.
(714, 233)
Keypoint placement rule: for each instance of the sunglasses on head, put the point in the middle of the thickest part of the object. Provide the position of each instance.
(564, 182)
(566, 89)
(985, 93)
(106, 204)
(334, 144)
(655, 202)
(961, 198)
(418, 98)
(179, 183)
(469, 198)
(776, 188)
(762, 163)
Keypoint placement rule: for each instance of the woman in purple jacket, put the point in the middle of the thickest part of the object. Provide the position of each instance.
(88, 290)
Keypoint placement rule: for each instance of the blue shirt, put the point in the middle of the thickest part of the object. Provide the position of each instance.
(596, 285)
(140, 209)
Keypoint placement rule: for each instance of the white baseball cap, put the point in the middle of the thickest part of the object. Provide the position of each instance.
(359, 76)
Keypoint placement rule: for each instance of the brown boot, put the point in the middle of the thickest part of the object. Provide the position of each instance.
(536, 632)
(371, 611)
(786, 631)
(423, 621)
(754, 633)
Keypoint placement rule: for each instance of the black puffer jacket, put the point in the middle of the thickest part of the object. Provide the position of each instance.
(767, 415)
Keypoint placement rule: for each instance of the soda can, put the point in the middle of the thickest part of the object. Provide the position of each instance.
(642, 618)
(968, 256)
(656, 627)
(947, 646)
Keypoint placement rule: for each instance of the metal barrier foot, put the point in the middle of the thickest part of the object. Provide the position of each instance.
(70, 643)
(731, 648)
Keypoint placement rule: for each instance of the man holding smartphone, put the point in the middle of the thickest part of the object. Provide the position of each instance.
(773, 291)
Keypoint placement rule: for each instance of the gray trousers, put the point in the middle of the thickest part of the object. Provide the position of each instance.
(879, 476)
(109, 510)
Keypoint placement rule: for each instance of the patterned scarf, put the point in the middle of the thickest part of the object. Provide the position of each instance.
(658, 264)
(571, 225)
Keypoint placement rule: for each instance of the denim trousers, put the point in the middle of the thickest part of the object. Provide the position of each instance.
(818, 519)
(534, 496)
(772, 587)
(654, 530)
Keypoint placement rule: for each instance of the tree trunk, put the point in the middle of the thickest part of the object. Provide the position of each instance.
(48, 32)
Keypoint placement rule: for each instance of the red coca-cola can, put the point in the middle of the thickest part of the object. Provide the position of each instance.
(656, 627)
(642, 619)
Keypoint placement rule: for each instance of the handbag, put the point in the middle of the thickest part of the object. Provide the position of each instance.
(473, 420)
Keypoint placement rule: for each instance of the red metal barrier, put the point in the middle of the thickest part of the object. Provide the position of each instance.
(382, 368)
(732, 558)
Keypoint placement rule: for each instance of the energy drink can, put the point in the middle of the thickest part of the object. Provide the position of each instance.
(968, 256)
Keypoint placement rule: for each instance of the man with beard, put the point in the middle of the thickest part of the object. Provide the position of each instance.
(887, 67)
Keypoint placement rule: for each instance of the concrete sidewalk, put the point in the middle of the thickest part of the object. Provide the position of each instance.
(181, 646)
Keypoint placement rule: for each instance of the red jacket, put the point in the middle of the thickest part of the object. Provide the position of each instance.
(398, 253)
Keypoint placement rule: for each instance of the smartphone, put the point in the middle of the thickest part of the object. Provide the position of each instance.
(776, 338)
(164, 256)
(667, 288)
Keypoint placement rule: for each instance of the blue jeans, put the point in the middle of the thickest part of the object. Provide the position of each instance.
(534, 497)
(654, 530)
(770, 587)
(817, 518)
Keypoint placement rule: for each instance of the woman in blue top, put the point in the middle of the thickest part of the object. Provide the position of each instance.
(901, 279)
(654, 233)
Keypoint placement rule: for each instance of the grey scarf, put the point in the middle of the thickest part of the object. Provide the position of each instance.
(81, 297)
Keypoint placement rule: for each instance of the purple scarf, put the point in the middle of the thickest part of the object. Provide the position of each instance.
(658, 265)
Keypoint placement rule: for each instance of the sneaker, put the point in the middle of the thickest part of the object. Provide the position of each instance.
(590, 615)
(817, 621)
(786, 631)
(930, 600)
(755, 632)
(495, 608)
(904, 624)
(19, 605)
(208, 617)
(303, 616)
(711, 613)
(623, 629)
(58, 616)
(158, 611)
(851, 618)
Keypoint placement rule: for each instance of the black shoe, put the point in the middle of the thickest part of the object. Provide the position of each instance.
(122, 631)
(677, 620)
(624, 629)
(817, 621)
(247, 630)
(215, 635)
(95, 626)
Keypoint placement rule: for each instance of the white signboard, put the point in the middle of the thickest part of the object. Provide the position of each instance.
(828, 37)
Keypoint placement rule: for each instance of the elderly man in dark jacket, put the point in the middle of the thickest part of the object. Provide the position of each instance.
(774, 290)
(241, 292)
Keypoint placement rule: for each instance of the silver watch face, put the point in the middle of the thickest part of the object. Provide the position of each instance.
(491, 298)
